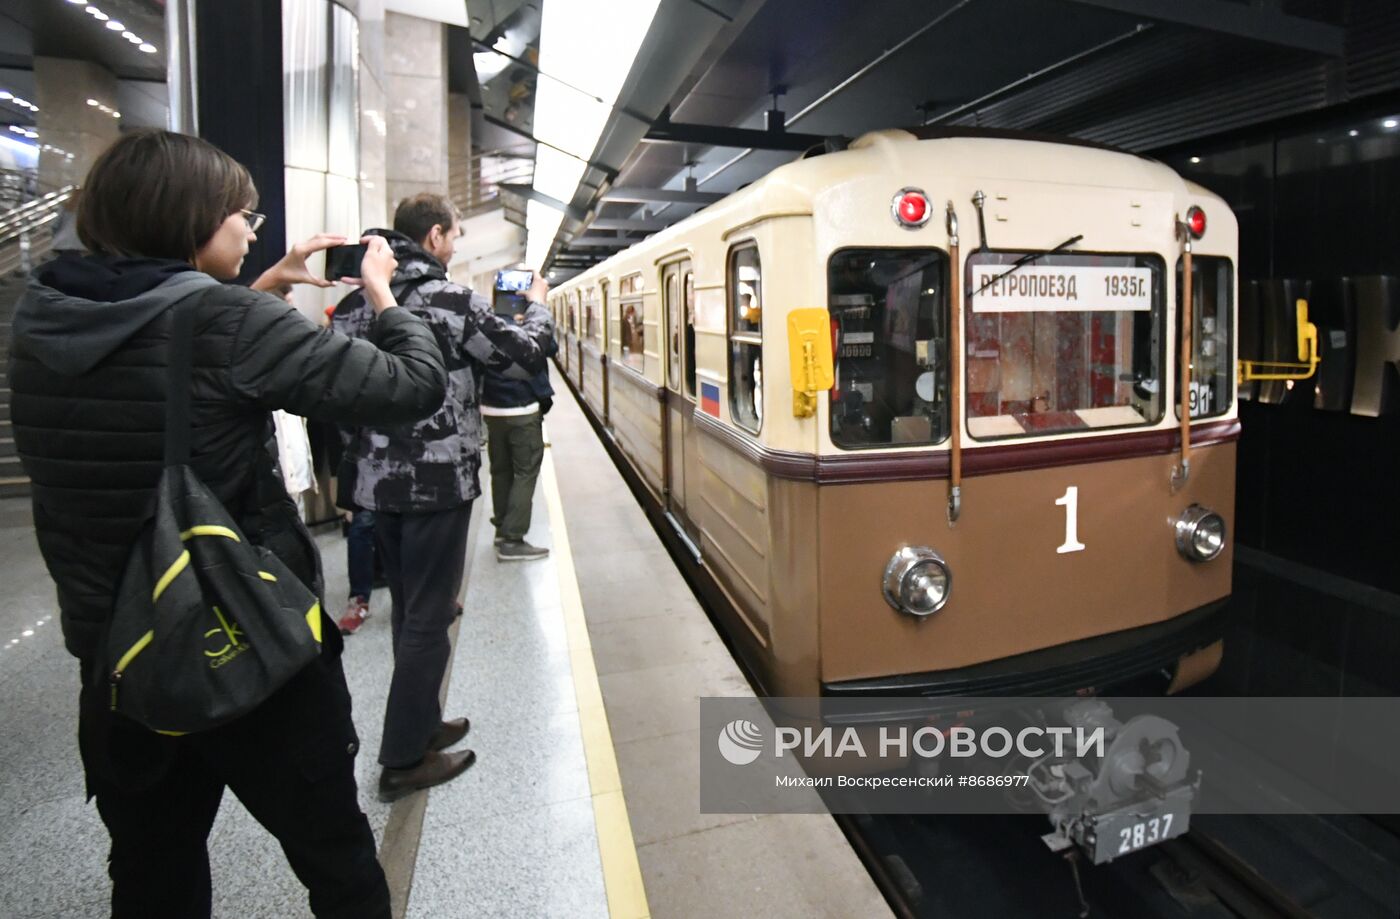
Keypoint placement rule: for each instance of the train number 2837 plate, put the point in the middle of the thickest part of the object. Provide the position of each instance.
(1127, 831)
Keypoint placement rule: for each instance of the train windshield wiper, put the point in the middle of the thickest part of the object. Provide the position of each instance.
(1026, 260)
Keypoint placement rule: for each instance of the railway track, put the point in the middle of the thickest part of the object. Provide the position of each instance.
(952, 867)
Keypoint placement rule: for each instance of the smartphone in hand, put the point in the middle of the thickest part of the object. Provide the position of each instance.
(344, 261)
(514, 280)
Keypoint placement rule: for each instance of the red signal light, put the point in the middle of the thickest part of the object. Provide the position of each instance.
(1196, 222)
(910, 208)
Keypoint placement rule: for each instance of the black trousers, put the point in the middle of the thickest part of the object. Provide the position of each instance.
(424, 557)
(291, 763)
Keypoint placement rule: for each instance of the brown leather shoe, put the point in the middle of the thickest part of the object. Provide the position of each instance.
(448, 733)
(435, 769)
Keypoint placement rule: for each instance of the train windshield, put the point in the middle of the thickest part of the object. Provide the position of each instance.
(1212, 321)
(889, 327)
(1070, 342)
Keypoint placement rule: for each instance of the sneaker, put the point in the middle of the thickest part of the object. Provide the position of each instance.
(518, 550)
(435, 769)
(356, 612)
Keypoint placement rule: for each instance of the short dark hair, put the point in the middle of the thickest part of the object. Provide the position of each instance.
(415, 217)
(160, 194)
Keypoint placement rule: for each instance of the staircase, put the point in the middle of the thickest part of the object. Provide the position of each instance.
(13, 483)
(26, 238)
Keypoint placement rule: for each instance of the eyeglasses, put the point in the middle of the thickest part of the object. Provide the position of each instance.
(253, 219)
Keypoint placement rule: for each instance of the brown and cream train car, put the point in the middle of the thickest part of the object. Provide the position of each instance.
(908, 460)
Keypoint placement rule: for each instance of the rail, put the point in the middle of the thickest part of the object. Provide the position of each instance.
(26, 231)
(474, 181)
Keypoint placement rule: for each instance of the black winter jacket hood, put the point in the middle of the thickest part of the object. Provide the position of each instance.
(78, 310)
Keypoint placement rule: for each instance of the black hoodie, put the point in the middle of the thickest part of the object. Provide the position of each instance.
(88, 379)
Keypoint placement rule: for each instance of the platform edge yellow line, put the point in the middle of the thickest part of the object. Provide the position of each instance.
(622, 872)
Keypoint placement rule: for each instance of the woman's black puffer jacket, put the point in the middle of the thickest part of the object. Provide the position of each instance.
(88, 378)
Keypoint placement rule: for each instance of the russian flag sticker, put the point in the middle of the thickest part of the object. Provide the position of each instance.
(709, 398)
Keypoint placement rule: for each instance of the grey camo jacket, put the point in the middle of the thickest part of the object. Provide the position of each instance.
(432, 465)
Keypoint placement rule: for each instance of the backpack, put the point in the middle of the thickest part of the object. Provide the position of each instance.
(206, 625)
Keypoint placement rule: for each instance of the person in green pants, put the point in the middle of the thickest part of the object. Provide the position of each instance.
(514, 413)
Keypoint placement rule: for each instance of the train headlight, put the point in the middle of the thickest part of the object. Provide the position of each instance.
(910, 208)
(917, 581)
(1200, 534)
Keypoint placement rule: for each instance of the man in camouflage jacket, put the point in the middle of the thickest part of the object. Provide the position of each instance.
(420, 480)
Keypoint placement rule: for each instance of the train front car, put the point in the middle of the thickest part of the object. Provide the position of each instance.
(1084, 546)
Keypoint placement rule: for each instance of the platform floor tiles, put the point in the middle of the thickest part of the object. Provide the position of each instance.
(657, 654)
(513, 836)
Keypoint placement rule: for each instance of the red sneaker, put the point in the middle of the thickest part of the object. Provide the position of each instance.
(356, 612)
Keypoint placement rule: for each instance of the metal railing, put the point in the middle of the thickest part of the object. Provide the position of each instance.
(26, 232)
(474, 181)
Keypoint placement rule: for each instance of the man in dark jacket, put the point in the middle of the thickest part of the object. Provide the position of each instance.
(514, 412)
(420, 480)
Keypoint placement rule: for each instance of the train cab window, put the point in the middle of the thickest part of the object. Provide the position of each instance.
(1212, 367)
(632, 313)
(1067, 342)
(889, 322)
(745, 338)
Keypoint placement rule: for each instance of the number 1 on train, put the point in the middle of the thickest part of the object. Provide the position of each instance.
(1070, 501)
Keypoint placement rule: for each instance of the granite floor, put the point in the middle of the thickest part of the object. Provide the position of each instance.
(657, 653)
(514, 836)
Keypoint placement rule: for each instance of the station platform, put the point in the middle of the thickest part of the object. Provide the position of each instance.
(581, 674)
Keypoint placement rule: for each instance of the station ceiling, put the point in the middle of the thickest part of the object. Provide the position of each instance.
(1121, 71)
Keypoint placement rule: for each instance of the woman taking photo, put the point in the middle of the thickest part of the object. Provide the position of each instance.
(168, 219)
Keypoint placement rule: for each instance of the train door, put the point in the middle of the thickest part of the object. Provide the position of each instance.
(678, 307)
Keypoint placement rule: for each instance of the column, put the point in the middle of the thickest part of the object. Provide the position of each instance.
(67, 124)
(415, 65)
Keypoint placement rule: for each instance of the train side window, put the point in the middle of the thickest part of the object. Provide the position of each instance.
(1212, 368)
(590, 318)
(573, 313)
(603, 316)
(632, 314)
(690, 334)
(672, 307)
(889, 323)
(1069, 342)
(745, 291)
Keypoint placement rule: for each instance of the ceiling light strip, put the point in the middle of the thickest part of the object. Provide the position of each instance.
(573, 105)
(116, 26)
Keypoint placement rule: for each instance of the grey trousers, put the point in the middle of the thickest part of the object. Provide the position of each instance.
(515, 446)
(424, 555)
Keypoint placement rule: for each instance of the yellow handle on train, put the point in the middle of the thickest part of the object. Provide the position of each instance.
(809, 358)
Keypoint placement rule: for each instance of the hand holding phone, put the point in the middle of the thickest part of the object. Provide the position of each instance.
(514, 280)
(344, 261)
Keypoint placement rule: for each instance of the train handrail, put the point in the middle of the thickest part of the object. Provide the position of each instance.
(1301, 369)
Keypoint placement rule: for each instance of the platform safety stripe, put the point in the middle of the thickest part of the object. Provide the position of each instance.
(622, 873)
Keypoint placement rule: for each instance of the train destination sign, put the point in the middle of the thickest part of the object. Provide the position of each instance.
(1060, 288)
